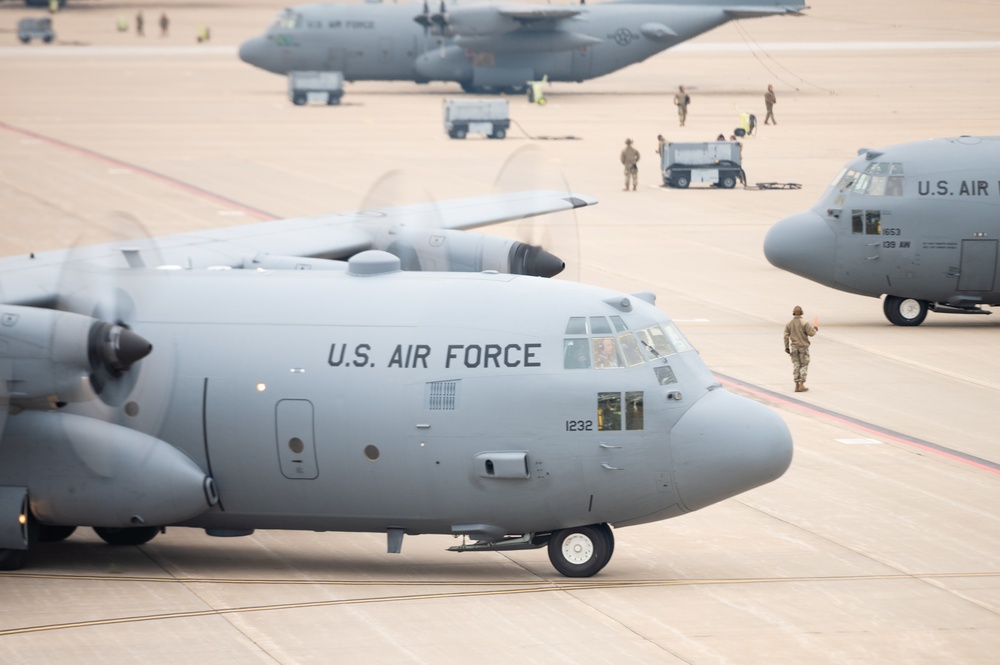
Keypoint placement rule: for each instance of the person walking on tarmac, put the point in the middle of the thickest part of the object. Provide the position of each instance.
(769, 101)
(630, 160)
(681, 101)
(797, 334)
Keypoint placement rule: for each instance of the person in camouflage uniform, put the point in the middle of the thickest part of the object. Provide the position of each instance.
(797, 334)
(630, 160)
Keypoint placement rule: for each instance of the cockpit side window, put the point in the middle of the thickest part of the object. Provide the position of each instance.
(618, 324)
(576, 353)
(609, 411)
(577, 325)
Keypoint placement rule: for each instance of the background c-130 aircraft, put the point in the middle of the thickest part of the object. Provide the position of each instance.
(918, 222)
(493, 47)
(289, 375)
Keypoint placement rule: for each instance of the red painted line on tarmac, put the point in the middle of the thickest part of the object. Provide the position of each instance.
(174, 182)
(854, 423)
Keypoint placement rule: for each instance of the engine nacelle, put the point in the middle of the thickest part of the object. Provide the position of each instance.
(461, 251)
(49, 353)
(85, 472)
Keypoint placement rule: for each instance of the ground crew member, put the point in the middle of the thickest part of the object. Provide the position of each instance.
(797, 334)
(138, 24)
(681, 101)
(769, 101)
(164, 24)
(661, 147)
(630, 159)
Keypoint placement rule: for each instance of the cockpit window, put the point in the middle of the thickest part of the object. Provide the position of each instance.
(677, 340)
(880, 179)
(605, 353)
(576, 353)
(630, 347)
(288, 20)
(846, 179)
(599, 326)
(624, 349)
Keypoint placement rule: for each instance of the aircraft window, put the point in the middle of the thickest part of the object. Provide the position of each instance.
(861, 186)
(577, 326)
(894, 187)
(619, 324)
(605, 353)
(677, 340)
(576, 353)
(873, 223)
(609, 411)
(654, 343)
(896, 169)
(857, 221)
(289, 21)
(599, 326)
(630, 347)
(665, 375)
(633, 410)
(847, 178)
(877, 187)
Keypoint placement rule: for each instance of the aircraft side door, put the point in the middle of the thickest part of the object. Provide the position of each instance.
(979, 265)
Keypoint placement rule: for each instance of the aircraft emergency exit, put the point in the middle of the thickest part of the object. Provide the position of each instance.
(490, 47)
(380, 371)
(918, 222)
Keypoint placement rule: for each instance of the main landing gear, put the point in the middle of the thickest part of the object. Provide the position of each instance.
(904, 311)
(581, 551)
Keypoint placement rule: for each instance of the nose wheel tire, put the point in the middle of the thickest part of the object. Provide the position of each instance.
(904, 311)
(581, 551)
(133, 535)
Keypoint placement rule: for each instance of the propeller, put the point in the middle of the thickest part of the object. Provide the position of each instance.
(424, 18)
(107, 284)
(558, 233)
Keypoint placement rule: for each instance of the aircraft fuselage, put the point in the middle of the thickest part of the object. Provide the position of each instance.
(917, 222)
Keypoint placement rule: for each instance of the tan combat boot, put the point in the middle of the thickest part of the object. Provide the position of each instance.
(798, 386)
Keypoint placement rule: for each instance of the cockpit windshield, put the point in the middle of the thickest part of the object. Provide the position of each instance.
(878, 179)
(288, 20)
(605, 343)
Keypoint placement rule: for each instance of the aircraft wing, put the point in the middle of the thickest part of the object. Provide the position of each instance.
(738, 12)
(529, 13)
(318, 242)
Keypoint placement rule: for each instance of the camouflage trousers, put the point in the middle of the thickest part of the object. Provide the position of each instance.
(800, 362)
(631, 173)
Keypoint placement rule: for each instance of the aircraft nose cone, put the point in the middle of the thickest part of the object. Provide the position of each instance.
(803, 244)
(252, 52)
(724, 445)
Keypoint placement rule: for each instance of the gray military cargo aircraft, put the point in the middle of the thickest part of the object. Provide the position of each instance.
(495, 47)
(289, 375)
(917, 222)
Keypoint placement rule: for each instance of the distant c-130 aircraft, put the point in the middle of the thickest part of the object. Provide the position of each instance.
(495, 47)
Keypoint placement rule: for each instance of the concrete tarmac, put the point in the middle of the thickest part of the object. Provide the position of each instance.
(880, 545)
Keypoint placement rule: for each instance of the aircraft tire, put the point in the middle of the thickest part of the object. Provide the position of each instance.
(17, 559)
(581, 551)
(906, 312)
(49, 533)
(135, 535)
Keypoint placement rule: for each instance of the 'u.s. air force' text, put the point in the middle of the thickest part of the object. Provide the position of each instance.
(424, 356)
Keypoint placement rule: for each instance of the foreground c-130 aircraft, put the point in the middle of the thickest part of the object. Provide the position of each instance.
(289, 375)
(918, 222)
(488, 47)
